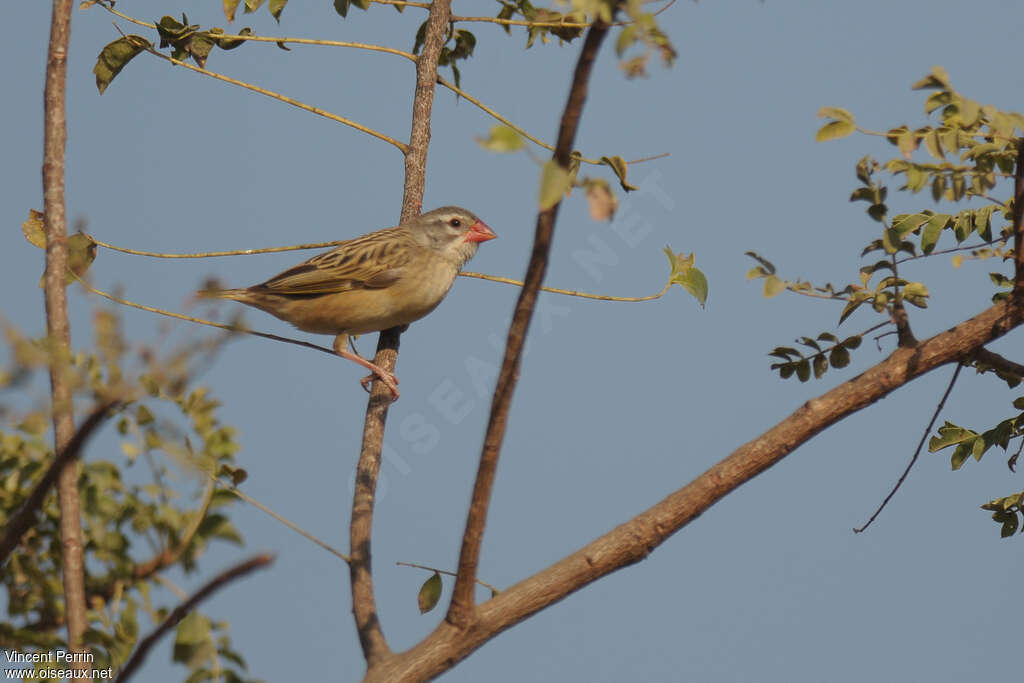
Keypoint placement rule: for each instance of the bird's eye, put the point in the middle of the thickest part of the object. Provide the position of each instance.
(455, 223)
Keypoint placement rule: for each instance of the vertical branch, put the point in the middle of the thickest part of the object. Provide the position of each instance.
(461, 610)
(364, 607)
(1018, 223)
(57, 327)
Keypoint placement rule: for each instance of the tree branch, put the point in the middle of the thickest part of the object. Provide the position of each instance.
(58, 328)
(18, 524)
(635, 539)
(460, 612)
(1018, 221)
(364, 607)
(182, 610)
(997, 362)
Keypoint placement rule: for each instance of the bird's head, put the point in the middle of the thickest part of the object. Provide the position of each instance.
(454, 231)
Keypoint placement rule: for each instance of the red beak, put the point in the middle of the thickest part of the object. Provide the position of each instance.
(479, 232)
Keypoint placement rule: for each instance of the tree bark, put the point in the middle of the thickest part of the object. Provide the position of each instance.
(57, 326)
(364, 607)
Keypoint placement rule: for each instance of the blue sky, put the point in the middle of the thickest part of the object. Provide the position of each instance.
(619, 404)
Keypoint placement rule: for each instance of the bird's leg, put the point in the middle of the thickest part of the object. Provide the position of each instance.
(389, 379)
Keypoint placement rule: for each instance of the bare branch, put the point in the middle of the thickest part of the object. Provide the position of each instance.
(917, 451)
(20, 522)
(1018, 221)
(58, 329)
(460, 612)
(635, 539)
(182, 610)
(364, 607)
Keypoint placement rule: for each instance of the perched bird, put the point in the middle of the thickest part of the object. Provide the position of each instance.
(386, 278)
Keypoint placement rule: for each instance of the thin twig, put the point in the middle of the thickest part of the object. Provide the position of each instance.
(281, 98)
(291, 525)
(917, 451)
(214, 254)
(494, 589)
(182, 610)
(569, 292)
(274, 39)
(20, 522)
(200, 321)
(950, 250)
(460, 612)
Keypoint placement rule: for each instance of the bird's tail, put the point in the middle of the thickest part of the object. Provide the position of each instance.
(233, 294)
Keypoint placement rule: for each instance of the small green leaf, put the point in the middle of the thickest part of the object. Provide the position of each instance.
(820, 365)
(115, 56)
(555, 182)
(903, 225)
(835, 113)
(839, 357)
(502, 139)
(773, 285)
(833, 130)
(683, 273)
(430, 593)
(276, 7)
(803, 370)
(230, 6)
(618, 164)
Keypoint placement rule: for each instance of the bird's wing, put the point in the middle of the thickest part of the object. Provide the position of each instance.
(372, 261)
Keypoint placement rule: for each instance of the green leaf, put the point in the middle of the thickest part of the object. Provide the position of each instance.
(835, 113)
(833, 130)
(903, 225)
(820, 365)
(276, 7)
(938, 78)
(618, 164)
(684, 274)
(932, 229)
(555, 182)
(430, 593)
(232, 43)
(839, 357)
(803, 370)
(848, 310)
(773, 285)
(114, 56)
(627, 38)
(341, 7)
(502, 139)
(230, 6)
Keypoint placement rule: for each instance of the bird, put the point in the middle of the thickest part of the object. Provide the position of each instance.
(387, 278)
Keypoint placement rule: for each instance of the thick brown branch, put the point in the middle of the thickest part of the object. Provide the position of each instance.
(460, 612)
(634, 540)
(26, 516)
(182, 610)
(364, 607)
(57, 327)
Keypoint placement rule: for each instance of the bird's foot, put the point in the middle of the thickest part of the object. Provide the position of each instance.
(388, 378)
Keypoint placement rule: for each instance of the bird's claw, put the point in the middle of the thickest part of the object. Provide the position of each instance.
(388, 378)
